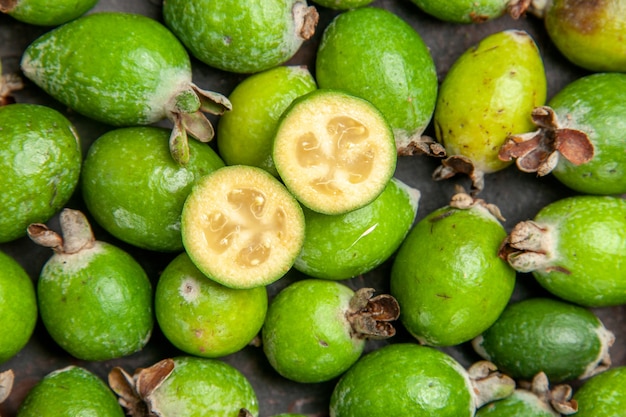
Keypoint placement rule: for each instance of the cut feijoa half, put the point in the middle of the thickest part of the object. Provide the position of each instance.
(241, 227)
(335, 152)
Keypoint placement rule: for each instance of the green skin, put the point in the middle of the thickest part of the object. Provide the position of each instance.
(589, 33)
(44, 12)
(199, 387)
(487, 95)
(234, 36)
(589, 240)
(40, 161)
(594, 104)
(346, 245)
(403, 379)
(448, 279)
(311, 341)
(18, 307)
(69, 392)
(520, 403)
(342, 5)
(374, 54)
(464, 11)
(117, 68)
(136, 161)
(603, 395)
(203, 318)
(245, 134)
(540, 334)
(97, 303)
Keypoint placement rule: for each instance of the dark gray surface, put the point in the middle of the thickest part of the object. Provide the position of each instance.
(518, 195)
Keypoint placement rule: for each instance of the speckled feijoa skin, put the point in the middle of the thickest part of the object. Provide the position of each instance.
(46, 13)
(603, 394)
(464, 11)
(40, 161)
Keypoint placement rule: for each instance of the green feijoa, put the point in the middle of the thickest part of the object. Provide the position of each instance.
(470, 11)
(407, 379)
(487, 95)
(46, 13)
(447, 277)
(603, 394)
(346, 245)
(533, 399)
(563, 340)
(95, 300)
(40, 161)
(68, 392)
(204, 318)
(316, 329)
(185, 386)
(374, 54)
(136, 191)
(241, 37)
(245, 134)
(575, 248)
(123, 69)
(588, 33)
(18, 307)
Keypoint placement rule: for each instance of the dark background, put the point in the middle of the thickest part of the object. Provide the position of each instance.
(519, 196)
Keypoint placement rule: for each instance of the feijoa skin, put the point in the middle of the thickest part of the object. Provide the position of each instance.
(40, 160)
(18, 307)
(135, 189)
(346, 245)
(588, 33)
(123, 69)
(241, 37)
(447, 277)
(185, 386)
(374, 54)
(563, 340)
(343, 4)
(466, 11)
(575, 248)
(95, 300)
(46, 13)
(603, 394)
(69, 392)
(487, 95)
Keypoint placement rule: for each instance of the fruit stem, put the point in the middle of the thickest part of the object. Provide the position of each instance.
(559, 397)
(6, 384)
(488, 383)
(76, 233)
(370, 317)
(529, 247)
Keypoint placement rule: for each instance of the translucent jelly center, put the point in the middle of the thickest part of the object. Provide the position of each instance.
(248, 224)
(348, 155)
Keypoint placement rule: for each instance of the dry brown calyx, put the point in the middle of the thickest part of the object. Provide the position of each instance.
(518, 8)
(76, 233)
(488, 383)
(420, 145)
(135, 392)
(463, 201)
(459, 164)
(6, 384)
(559, 398)
(8, 84)
(7, 6)
(306, 19)
(539, 151)
(371, 317)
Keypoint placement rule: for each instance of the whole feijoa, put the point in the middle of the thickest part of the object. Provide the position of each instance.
(123, 69)
(563, 340)
(603, 394)
(346, 245)
(447, 277)
(44, 13)
(372, 53)
(316, 329)
(575, 248)
(204, 318)
(40, 161)
(245, 134)
(18, 307)
(407, 379)
(241, 37)
(136, 161)
(68, 392)
(185, 386)
(95, 300)
(487, 95)
(588, 33)
(470, 11)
